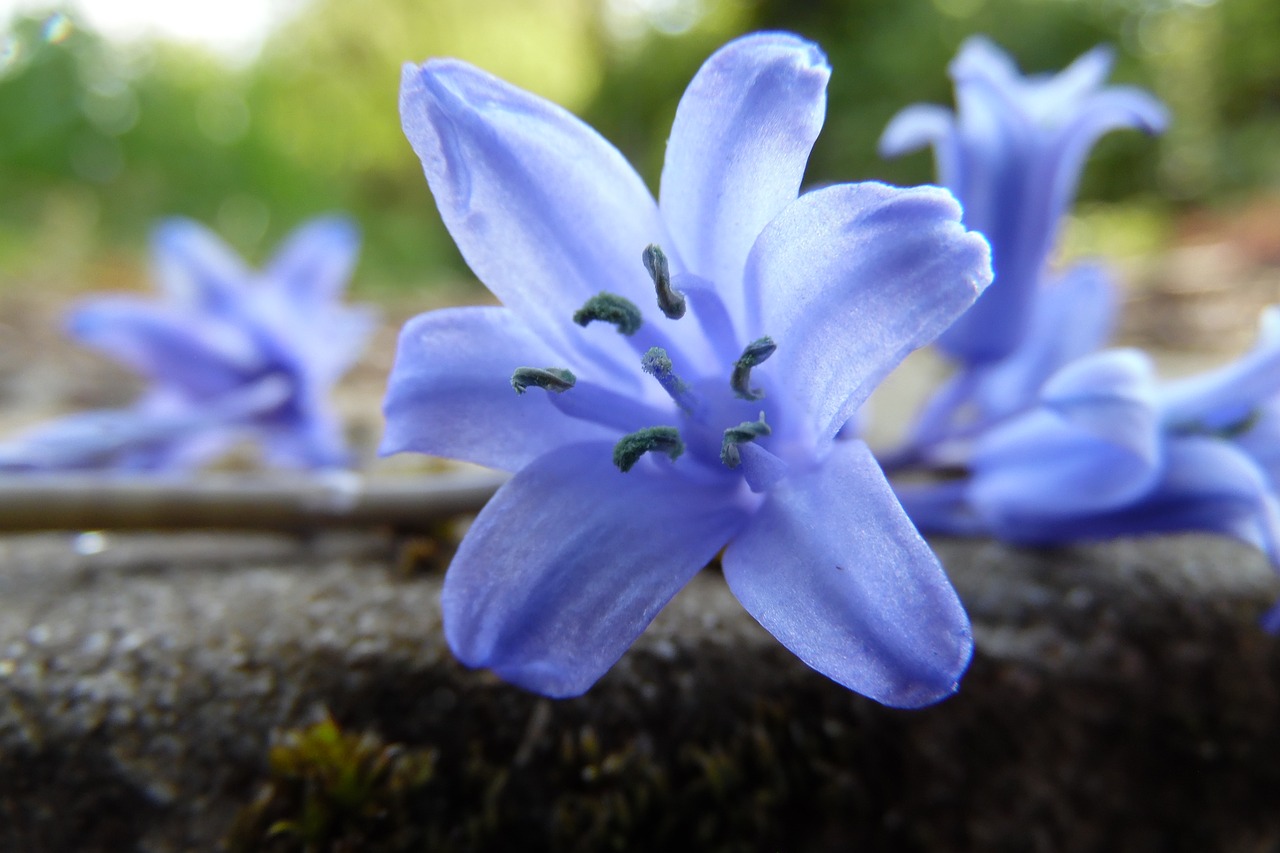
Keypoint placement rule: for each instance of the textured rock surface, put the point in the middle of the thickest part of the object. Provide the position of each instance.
(1121, 698)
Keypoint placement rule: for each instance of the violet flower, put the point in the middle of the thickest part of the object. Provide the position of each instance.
(1110, 451)
(648, 438)
(1012, 153)
(1073, 315)
(230, 354)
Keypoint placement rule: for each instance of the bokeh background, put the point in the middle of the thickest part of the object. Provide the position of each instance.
(292, 112)
(253, 116)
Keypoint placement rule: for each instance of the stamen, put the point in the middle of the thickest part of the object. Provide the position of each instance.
(742, 433)
(555, 379)
(755, 353)
(610, 308)
(631, 447)
(670, 300)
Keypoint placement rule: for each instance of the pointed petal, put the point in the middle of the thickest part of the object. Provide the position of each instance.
(1088, 120)
(449, 393)
(1086, 74)
(850, 279)
(195, 268)
(832, 567)
(979, 58)
(915, 127)
(544, 210)
(1217, 398)
(569, 562)
(738, 149)
(200, 354)
(87, 440)
(925, 124)
(315, 262)
(139, 438)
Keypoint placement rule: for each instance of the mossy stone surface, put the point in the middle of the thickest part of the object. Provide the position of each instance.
(1121, 697)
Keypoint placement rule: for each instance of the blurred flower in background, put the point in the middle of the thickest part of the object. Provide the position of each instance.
(229, 355)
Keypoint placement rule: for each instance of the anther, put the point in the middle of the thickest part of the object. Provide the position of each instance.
(555, 379)
(1228, 431)
(746, 431)
(631, 447)
(755, 353)
(610, 308)
(670, 300)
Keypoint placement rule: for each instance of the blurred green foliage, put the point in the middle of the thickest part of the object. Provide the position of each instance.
(98, 140)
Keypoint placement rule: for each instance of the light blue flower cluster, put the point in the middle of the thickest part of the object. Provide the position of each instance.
(668, 379)
(229, 355)
(1053, 438)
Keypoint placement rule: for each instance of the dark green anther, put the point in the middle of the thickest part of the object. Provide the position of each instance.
(631, 447)
(755, 353)
(610, 308)
(1229, 431)
(1241, 426)
(670, 300)
(743, 432)
(555, 379)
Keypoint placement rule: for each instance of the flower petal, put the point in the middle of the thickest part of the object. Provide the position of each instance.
(1216, 398)
(832, 567)
(569, 562)
(89, 440)
(1092, 446)
(1207, 485)
(201, 354)
(195, 268)
(544, 210)
(449, 393)
(914, 127)
(315, 262)
(1113, 108)
(851, 278)
(144, 437)
(738, 149)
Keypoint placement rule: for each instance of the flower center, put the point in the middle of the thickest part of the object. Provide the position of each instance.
(712, 412)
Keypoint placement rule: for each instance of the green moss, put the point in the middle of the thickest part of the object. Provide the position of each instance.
(333, 790)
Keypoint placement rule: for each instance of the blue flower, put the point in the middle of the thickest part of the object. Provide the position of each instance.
(667, 379)
(1012, 153)
(229, 354)
(1110, 451)
(1073, 315)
